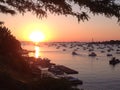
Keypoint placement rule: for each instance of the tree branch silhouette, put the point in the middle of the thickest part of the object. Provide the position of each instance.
(108, 8)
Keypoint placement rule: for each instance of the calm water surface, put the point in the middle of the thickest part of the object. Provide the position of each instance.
(95, 72)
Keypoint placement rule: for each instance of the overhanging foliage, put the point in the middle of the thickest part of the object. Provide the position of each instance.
(108, 8)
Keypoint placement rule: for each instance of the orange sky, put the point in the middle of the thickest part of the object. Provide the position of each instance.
(61, 28)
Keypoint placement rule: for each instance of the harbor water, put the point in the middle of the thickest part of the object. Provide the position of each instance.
(95, 72)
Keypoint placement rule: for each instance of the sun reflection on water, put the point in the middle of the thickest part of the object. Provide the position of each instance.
(37, 51)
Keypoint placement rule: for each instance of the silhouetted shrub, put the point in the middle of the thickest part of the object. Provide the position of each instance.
(8, 43)
(10, 51)
(9, 83)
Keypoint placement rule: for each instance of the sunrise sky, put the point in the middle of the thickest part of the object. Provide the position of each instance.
(61, 28)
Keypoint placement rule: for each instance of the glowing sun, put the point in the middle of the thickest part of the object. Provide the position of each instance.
(37, 36)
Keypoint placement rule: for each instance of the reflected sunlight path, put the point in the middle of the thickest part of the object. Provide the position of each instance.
(37, 51)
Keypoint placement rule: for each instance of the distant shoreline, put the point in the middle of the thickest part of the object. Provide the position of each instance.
(97, 42)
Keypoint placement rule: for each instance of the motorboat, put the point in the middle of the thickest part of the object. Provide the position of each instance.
(92, 54)
(114, 61)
